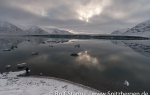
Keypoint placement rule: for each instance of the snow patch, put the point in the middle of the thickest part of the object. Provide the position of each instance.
(13, 85)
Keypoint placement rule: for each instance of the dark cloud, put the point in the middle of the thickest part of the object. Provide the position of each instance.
(104, 16)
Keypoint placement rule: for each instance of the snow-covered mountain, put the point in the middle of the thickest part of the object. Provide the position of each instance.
(120, 31)
(35, 30)
(142, 29)
(57, 31)
(7, 28)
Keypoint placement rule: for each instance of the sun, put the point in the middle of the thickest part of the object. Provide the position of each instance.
(88, 11)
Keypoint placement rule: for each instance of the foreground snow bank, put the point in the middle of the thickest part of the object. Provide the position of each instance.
(10, 84)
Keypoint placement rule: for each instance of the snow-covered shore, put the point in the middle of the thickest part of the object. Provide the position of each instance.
(10, 84)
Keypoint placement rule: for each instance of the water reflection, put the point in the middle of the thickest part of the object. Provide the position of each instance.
(141, 47)
(100, 64)
(11, 43)
(74, 54)
(86, 59)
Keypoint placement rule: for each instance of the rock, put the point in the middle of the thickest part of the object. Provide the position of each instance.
(7, 66)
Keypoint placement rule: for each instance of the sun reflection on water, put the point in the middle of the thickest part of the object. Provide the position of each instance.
(86, 59)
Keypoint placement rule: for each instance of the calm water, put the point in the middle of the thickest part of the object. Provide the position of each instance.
(101, 64)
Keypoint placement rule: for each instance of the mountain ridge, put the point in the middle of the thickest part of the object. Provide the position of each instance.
(141, 29)
(7, 28)
(36, 30)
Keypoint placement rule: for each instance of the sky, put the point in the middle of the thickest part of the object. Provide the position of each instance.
(76, 16)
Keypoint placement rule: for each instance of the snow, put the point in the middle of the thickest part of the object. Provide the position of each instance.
(5, 24)
(3, 82)
(35, 30)
(7, 66)
(120, 31)
(7, 28)
(57, 31)
(10, 84)
(142, 29)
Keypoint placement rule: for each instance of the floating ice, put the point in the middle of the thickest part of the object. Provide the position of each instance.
(126, 83)
(50, 45)
(34, 53)
(7, 66)
(78, 45)
(22, 65)
(6, 49)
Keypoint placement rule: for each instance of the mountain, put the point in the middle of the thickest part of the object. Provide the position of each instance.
(38, 31)
(57, 31)
(35, 30)
(7, 28)
(120, 31)
(142, 29)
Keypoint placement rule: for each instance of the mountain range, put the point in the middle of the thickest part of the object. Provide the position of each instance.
(7, 28)
(142, 29)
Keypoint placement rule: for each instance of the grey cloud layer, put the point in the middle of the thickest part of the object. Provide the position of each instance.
(114, 14)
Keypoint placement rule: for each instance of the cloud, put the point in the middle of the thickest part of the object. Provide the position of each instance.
(81, 16)
(94, 7)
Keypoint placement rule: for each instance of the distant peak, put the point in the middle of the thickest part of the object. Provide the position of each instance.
(35, 28)
(144, 23)
(4, 22)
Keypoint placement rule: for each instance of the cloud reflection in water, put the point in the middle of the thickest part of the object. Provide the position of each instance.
(86, 59)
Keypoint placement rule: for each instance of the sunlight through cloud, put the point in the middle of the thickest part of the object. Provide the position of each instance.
(87, 12)
(93, 8)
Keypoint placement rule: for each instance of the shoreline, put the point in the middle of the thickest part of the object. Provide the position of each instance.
(12, 84)
(67, 81)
